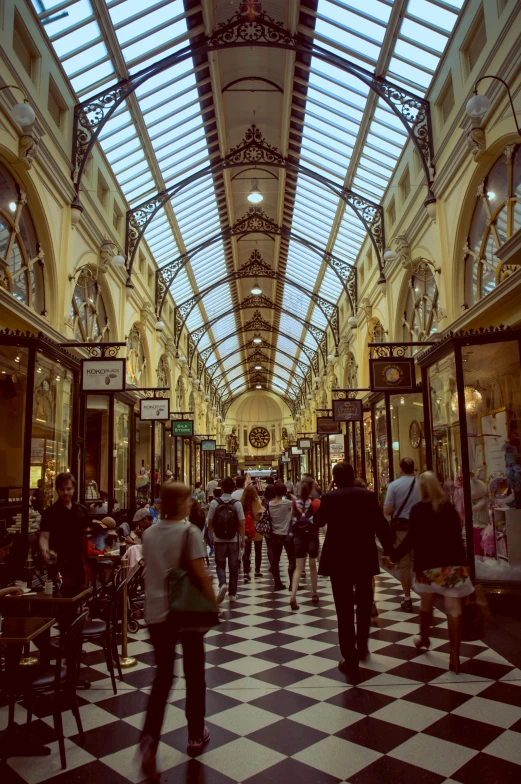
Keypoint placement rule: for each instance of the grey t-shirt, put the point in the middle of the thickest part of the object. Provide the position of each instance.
(213, 507)
(162, 550)
(281, 516)
(397, 493)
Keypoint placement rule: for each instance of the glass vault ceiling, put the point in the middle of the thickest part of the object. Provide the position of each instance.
(159, 136)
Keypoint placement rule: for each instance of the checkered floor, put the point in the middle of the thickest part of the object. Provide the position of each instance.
(279, 710)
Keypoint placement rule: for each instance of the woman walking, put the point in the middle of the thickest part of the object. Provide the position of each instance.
(252, 507)
(305, 541)
(168, 544)
(280, 511)
(439, 561)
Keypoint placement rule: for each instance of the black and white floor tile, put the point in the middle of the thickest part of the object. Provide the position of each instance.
(279, 710)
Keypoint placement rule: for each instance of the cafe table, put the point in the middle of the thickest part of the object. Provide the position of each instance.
(14, 634)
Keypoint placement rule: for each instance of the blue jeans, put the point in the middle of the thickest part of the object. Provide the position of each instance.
(228, 550)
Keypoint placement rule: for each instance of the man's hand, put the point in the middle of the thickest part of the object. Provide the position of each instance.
(13, 590)
(48, 555)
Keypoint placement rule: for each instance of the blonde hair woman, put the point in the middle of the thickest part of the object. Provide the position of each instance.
(439, 561)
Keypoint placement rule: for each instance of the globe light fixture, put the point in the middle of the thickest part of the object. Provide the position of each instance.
(258, 367)
(390, 255)
(258, 386)
(255, 196)
(257, 339)
(256, 289)
(118, 260)
(160, 325)
(478, 106)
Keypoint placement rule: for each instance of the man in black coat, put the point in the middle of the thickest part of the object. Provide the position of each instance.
(350, 558)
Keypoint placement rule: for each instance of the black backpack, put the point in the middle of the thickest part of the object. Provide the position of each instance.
(226, 519)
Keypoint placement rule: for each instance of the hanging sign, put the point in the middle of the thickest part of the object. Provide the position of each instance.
(347, 410)
(327, 426)
(103, 375)
(285, 459)
(220, 453)
(208, 445)
(182, 427)
(157, 408)
(392, 375)
(296, 451)
(304, 443)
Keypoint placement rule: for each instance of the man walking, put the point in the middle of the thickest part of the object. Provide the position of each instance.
(350, 558)
(210, 487)
(226, 529)
(401, 496)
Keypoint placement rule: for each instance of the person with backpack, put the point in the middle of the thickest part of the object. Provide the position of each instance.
(305, 540)
(253, 508)
(226, 529)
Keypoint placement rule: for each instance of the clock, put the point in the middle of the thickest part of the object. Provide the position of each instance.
(415, 434)
(259, 437)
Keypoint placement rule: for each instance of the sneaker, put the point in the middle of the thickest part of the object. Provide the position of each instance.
(232, 597)
(194, 745)
(222, 593)
(259, 574)
(406, 604)
(246, 578)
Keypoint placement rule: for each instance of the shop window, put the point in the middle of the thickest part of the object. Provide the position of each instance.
(136, 361)
(497, 215)
(420, 315)
(13, 385)
(382, 454)
(475, 42)
(25, 48)
(88, 315)
(163, 373)
(445, 102)
(122, 413)
(55, 103)
(21, 257)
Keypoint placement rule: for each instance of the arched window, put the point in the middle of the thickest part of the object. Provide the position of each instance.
(21, 257)
(497, 215)
(351, 372)
(420, 318)
(88, 314)
(163, 373)
(136, 362)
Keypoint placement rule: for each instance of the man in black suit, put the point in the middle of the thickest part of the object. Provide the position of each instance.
(350, 558)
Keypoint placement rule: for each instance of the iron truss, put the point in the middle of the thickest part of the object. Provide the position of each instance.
(259, 358)
(257, 377)
(251, 26)
(254, 150)
(255, 221)
(255, 267)
(301, 367)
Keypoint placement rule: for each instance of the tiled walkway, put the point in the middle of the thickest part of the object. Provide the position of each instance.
(280, 711)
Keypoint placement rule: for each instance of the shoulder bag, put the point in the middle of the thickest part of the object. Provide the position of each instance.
(193, 611)
(402, 523)
(263, 525)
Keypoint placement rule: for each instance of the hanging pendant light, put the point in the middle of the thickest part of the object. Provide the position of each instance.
(258, 386)
(255, 196)
(256, 289)
(257, 339)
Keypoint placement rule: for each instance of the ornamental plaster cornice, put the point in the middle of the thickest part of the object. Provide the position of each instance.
(507, 288)
(30, 317)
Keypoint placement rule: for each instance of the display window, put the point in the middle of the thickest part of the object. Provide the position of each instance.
(407, 430)
(446, 434)
(96, 454)
(158, 457)
(144, 479)
(381, 449)
(122, 414)
(367, 426)
(13, 386)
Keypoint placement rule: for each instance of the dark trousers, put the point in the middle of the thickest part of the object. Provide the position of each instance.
(246, 558)
(346, 594)
(230, 550)
(164, 637)
(275, 545)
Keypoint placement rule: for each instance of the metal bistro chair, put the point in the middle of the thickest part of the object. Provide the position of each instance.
(104, 631)
(62, 680)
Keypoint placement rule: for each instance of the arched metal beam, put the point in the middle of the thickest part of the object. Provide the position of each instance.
(214, 367)
(249, 370)
(254, 268)
(255, 221)
(250, 26)
(319, 335)
(254, 149)
(257, 377)
(258, 358)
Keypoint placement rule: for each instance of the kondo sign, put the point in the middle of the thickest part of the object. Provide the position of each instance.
(103, 375)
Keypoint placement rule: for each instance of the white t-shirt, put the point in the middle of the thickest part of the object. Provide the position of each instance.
(281, 512)
(237, 494)
(210, 487)
(162, 550)
(213, 507)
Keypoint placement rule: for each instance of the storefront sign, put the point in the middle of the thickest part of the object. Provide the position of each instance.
(304, 443)
(155, 408)
(285, 459)
(220, 453)
(183, 427)
(327, 426)
(347, 410)
(103, 375)
(208, 445)
(296, 451)
(392, 375)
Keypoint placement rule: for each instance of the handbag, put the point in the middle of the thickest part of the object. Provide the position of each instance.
(263, 525)
(192, 610)
(396, 524)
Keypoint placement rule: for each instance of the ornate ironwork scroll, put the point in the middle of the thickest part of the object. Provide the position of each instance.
(97, 350)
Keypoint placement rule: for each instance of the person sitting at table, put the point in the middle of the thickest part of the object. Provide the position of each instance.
(61, 528)
(155, 510)
(6, 542)
(102, 537)
(89, 550)
(143, 520)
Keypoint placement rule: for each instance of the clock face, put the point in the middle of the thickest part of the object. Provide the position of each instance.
(259, 437)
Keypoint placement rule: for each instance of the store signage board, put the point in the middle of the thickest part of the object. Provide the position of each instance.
(347, 410)
(208, 445)
(392, 375)
(220, 453)
(103, 376)
(304, 443)
(296, 451)
(182, 427)
(286, 460)
(157, 408)
(327, 426)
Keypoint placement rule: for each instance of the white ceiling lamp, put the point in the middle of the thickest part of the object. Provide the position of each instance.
(22, 113)
(258, 367)
(255, 196)
(257, 339)
(258, 386)
(256, 289)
